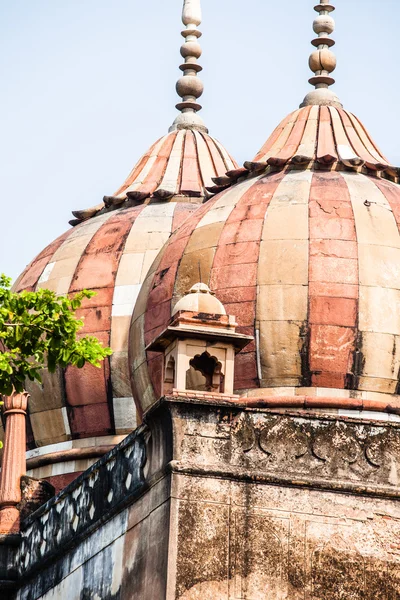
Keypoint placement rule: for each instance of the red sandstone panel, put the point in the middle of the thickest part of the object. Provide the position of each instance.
(30, 277)
(233, 276)
(356, 142)
(59, 482)
(90, 420)
(246, 376)
(326, 152)
(293, 142)
(236, 254)
(334, 262)
(163, 286)
(137, 169)
(98, 265)
(239, 294)
(245, 313)
(181, 213)
(155, 367)
(156, 174)
(88, 385)
(217, 160)
(190, 175)
(273, 138)
(247, 229)
(158, 317)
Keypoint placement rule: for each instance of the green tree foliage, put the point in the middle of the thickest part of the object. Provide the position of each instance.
(37, 330)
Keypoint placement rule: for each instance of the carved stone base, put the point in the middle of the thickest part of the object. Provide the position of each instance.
(9, 520)
(284, 506)
(223, 502)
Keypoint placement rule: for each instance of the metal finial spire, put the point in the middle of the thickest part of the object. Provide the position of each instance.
(323, 61)
(189, 87)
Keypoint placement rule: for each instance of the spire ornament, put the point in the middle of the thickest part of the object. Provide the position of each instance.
(190, 87)
(323, 61)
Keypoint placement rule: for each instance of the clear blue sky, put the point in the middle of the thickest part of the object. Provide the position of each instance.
(88, 85)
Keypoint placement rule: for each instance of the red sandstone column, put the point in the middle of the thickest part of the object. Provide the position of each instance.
(14, 461)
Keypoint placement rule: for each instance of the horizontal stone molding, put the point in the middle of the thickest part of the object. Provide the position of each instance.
(66, 455)
(260, 477)
(291, 448)
(389, 404)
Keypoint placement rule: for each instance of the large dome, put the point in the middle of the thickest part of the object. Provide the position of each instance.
(77, 415)
(305, 252)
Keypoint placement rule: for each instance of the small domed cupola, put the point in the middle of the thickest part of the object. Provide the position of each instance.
(200, 299)
(199, 347)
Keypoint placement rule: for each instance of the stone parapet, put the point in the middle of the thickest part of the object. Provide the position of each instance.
(96, 495)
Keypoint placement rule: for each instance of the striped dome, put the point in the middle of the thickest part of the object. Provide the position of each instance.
(182, 163)
(324, 135)
(308, 260)
(79, 414)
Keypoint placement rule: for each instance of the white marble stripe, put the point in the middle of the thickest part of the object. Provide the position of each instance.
(205, 162)
(225, 156)
(170, 181)
(64, 414)
(147, 167)
(125, 416)
(369, 415)
(225, 204)
(344, 148)
(379, 283)
(282, 301)
(308, 142)
(46, 274)
(365, 140)
(282, 139)
(148, 233)
(66, 259)
(124, 300)
(108, 440)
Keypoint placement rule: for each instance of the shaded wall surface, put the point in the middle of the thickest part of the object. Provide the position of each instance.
(224, 503)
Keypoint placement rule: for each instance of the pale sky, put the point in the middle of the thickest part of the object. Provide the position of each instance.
(88, 85)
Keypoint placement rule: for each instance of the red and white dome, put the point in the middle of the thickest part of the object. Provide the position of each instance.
(77, 415)
(302, 246)
(305, 252)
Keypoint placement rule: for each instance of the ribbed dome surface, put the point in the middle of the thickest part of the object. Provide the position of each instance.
(109, 251)
(182, 163)
(324, 135)
(308, 260)
(109, 254)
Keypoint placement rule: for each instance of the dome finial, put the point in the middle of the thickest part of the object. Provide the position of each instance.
(323, 61)
(189, 87)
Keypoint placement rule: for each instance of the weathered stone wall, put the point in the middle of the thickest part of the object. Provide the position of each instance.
(124, 558)
(258, 541)
(229, 504)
